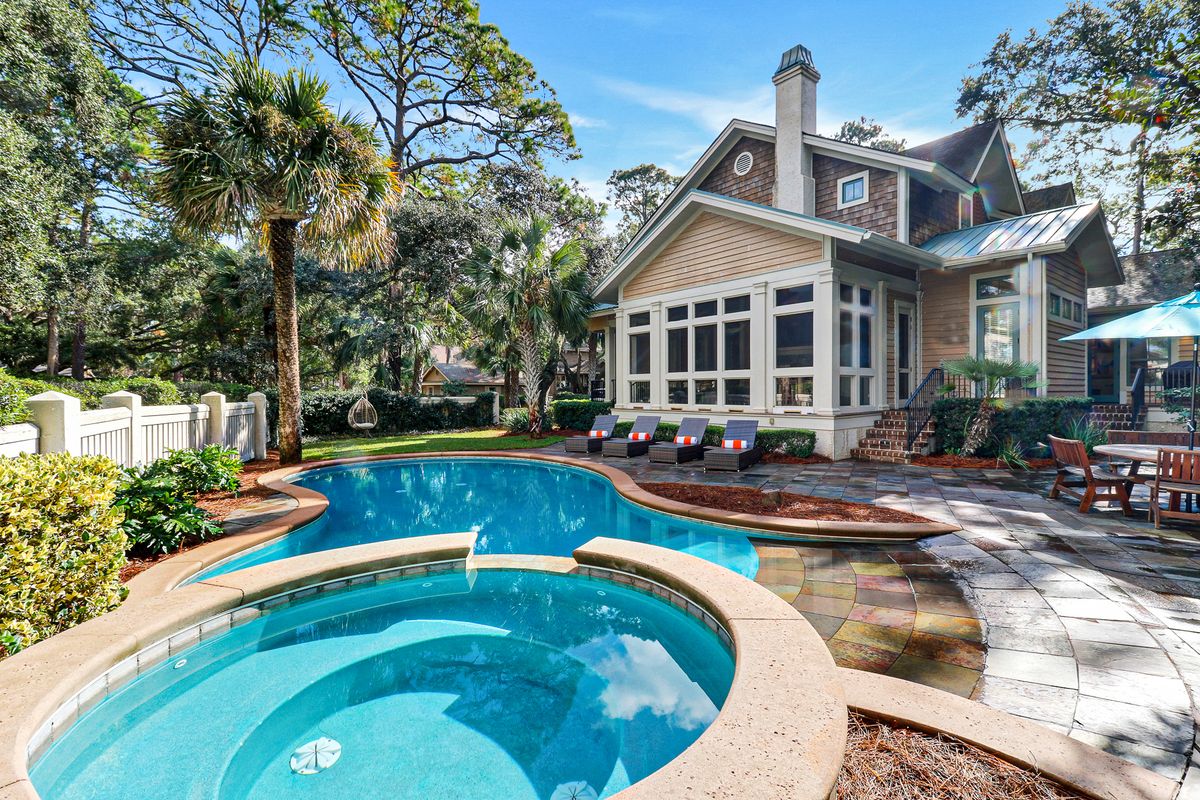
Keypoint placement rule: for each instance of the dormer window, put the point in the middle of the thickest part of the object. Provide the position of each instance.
(966, 211)
(852, 190)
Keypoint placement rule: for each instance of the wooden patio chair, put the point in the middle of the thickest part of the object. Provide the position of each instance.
(735, 458)
(602, 429)
(1178, 474)
(688, 444)
(640, 437)
(1075, 471)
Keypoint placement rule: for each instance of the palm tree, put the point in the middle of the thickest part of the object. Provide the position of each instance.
(991, 376)
(260, 151)
(531, 294)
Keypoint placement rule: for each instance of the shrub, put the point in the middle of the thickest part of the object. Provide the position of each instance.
(516, 420)
(571, 396)
(1029, 421)
(452, 388)
(159, 513)
(14, 391)
(577, 414)
(12, 400)
(213, 467)
(62, 546)
(323, 413)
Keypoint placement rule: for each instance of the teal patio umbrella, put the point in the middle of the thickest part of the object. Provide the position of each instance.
(1169, 319)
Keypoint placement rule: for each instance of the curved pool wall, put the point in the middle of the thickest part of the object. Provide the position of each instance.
(515, 506)
(493, 683)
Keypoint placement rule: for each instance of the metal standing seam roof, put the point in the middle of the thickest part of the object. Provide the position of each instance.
(1019, 233)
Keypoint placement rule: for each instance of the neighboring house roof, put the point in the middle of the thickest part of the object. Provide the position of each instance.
(1150, 278)
(1060, 195)
(1044, 232)
(465, 373)
(961, 151)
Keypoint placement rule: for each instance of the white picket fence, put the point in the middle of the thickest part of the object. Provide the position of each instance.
(129, 433)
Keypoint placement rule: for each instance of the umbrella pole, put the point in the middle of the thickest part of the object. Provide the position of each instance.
(1195, 371)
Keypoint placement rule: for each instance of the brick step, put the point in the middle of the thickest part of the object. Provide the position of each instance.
(881, 456)
(875, 440)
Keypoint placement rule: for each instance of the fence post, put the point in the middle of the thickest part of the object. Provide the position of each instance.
(216, 416)
(133, 402)
(260, 424)
(495, 408)
(57, 417)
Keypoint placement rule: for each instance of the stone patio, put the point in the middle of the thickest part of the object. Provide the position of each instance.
(1088, 624)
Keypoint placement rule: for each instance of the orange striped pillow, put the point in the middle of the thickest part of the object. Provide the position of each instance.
(597, 434)
(640, 437)
(685, 440)
(734, 444)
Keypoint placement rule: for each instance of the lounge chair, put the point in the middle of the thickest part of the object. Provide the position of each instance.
(688, 444)
(601, 430)
(735, 457)
(641, 436)
(1075, 471)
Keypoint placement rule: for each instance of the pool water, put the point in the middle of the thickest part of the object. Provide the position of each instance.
(514, 506)
(506, 684)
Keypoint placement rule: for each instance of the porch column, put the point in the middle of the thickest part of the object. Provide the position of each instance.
(761, 349)
(1035, 314)
(620, 361)
(658, 353)
(883, 374)
(825, 341)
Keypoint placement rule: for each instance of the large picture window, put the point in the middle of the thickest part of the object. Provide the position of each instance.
(737, 345)
(856, 345)
(706, 347)
(677, 350)
(639, 354)
(794, 340)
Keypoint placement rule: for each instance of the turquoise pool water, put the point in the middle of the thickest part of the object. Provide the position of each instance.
(514, 506)
(504, 684)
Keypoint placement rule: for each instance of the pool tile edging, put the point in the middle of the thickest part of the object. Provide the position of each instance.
(169, 574)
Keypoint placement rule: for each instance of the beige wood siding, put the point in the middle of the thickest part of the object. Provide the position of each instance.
(1066, 362)
(945, 316)
(713, 248)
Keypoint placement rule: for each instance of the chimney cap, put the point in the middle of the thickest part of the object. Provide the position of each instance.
(798, 56)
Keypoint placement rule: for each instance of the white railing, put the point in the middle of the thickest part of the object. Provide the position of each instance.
(129, 433)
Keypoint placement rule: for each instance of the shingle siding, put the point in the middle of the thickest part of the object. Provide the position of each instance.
(877, 214)
(757, 185)
(930, 212)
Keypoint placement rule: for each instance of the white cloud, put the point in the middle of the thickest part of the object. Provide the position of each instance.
(642, 676)
(710, 112)
(581, 121)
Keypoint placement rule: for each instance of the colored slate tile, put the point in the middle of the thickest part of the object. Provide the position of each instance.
(822, 589)
(788, 592)
(884, 583)
(880, 636)
(946, 648)
(882, 568)
(944, 588)
(938, 674)
(825, 625)
(959, 627)
(831, 574)
(829, 606)
(875, 597)
(950, 606)
(879, 615)
(854, 655)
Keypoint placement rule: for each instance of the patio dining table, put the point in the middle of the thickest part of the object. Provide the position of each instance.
(1136, 454)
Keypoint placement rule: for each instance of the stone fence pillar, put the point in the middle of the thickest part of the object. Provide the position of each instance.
(57, 417)
(260, 424)
(216, 416)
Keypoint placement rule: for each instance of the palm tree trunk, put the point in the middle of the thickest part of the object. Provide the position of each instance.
(531, 375)
(282, 236)
(52, 342)
(980, 427)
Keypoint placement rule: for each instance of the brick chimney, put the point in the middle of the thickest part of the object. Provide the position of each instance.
(795, 115)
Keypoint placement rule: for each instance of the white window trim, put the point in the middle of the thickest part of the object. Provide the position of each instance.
(866, 179)
(904, 307)
(718, 375)
(857, 309)
(1017, 273)
(774, 311)
(1068, 321)
(970, 210)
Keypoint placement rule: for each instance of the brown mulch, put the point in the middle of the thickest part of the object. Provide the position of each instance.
(884, 762)
(218, 503)
(782, 458)
(740, 500)
(975, 462)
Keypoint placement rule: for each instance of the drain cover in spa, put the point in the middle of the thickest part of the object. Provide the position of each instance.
(317, 755)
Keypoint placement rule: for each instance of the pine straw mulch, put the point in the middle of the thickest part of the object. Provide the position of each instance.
(975, 462)
(885, 762)
(218, 503)
(742, 500)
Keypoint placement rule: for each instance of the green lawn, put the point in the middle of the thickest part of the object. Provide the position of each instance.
(423, 443)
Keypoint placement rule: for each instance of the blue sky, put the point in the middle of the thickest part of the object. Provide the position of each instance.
(656, 82)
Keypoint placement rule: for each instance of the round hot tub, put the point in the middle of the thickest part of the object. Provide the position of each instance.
(496, 683)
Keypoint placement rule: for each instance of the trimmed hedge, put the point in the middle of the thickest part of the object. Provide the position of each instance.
(14, 391)
(323, 413)
(1028, 422)
(577, 414)
(61, 544)
(793, 441)
(191, 391)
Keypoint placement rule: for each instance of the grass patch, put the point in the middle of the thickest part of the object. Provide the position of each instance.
(490, 439)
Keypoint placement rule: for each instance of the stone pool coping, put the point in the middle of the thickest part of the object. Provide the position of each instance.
(168, 574)
(781, 732)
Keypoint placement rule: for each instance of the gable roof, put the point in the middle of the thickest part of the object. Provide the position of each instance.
(465, 373)
(961, 151)
(1044, 232)
(1059, 195)
(1150, 278)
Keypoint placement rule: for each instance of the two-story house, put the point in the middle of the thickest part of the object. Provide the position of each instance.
(808, 282)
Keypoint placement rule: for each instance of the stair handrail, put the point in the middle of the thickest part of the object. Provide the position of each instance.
(918, 408)
(1137, 396)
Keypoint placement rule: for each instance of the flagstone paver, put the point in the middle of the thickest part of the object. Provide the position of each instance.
(1089, 624)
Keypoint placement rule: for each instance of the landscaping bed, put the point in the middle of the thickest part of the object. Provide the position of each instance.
(741, 500)
(975, 462)
(884, 762)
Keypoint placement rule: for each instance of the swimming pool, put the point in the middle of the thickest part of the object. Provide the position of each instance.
(515, 506)
(497, 683)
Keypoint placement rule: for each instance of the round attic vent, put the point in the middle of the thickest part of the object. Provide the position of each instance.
(743, 163)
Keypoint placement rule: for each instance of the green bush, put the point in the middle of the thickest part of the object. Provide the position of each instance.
(14, 391)
(195, 471)
(1029, 421)
(62, 546)
(571, 396)
(191, 391)
(323, 413)
(160, 514)
(516, 420)
(577, 414)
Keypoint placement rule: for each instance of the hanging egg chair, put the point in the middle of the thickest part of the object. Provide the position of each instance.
(362, 416)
